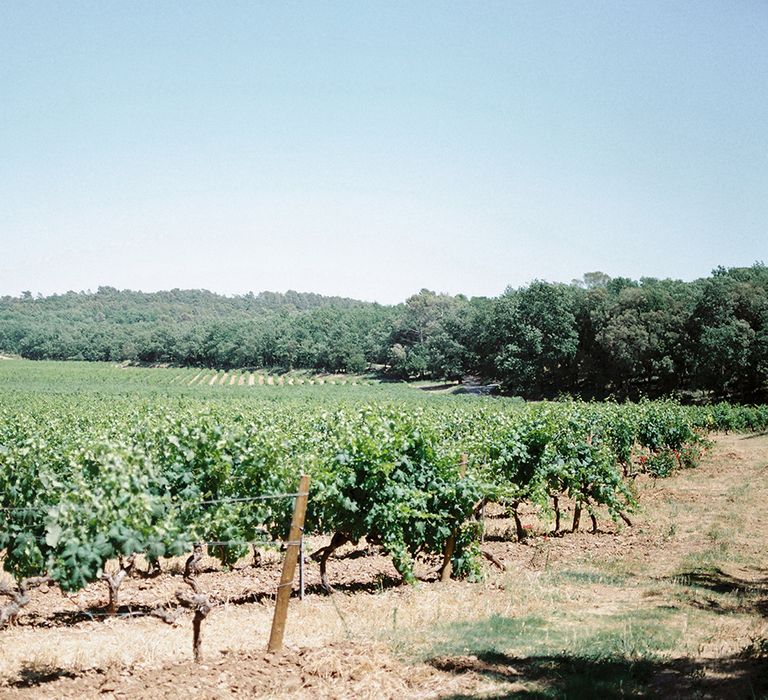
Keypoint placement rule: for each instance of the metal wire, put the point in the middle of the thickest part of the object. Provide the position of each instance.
(206, 502)
(223, 543)
(246, 499)
(88, 613)
(23, 508)
(235, 543)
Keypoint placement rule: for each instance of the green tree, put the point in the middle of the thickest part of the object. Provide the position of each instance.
(537, 338)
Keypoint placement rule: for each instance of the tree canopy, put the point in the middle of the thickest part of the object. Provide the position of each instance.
(598, 336)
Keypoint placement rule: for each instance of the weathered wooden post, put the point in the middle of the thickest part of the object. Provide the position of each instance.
(289, 566)
(301, 566)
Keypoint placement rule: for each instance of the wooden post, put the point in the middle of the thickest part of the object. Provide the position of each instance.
(289, 567)
(301, 566)
(450, 545)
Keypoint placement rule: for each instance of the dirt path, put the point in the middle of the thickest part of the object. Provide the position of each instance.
(667, 608)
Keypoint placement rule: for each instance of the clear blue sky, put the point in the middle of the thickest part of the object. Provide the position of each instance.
(371, 149)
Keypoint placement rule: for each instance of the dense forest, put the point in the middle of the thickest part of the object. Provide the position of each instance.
(598, 336)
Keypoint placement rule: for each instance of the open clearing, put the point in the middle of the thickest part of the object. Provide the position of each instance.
(675, 606)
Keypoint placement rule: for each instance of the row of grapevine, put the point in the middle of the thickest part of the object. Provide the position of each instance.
(83, 485)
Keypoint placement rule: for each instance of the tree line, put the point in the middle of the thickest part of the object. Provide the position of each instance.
(595, 337)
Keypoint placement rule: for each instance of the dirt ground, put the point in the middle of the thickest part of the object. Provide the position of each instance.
(675, 606)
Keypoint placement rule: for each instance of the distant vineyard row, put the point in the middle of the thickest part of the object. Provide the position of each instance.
(17, 373)
(248, 378)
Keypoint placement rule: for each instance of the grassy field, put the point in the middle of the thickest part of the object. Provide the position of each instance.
(675, 606)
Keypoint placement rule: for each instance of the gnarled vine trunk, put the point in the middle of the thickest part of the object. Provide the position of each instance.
(576, 517)
(321, 555)
(114, 581)
(19, 596)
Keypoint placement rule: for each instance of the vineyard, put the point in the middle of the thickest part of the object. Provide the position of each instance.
(99, 487)
(114, 378)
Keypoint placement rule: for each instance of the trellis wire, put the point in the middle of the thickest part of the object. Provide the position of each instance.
(205, 502)
(217, 543)
(223, 543)
(245, 499)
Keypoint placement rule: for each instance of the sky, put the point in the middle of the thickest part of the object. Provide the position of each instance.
(372, 149)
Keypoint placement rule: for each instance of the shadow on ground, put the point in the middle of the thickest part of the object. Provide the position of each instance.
(723, 592)
(564, 676)
(30, 676)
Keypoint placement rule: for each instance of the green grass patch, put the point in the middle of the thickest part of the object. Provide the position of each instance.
(710, 558)
(588, 578)
(559, 657)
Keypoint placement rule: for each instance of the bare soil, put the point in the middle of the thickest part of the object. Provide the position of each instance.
(692, 569)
